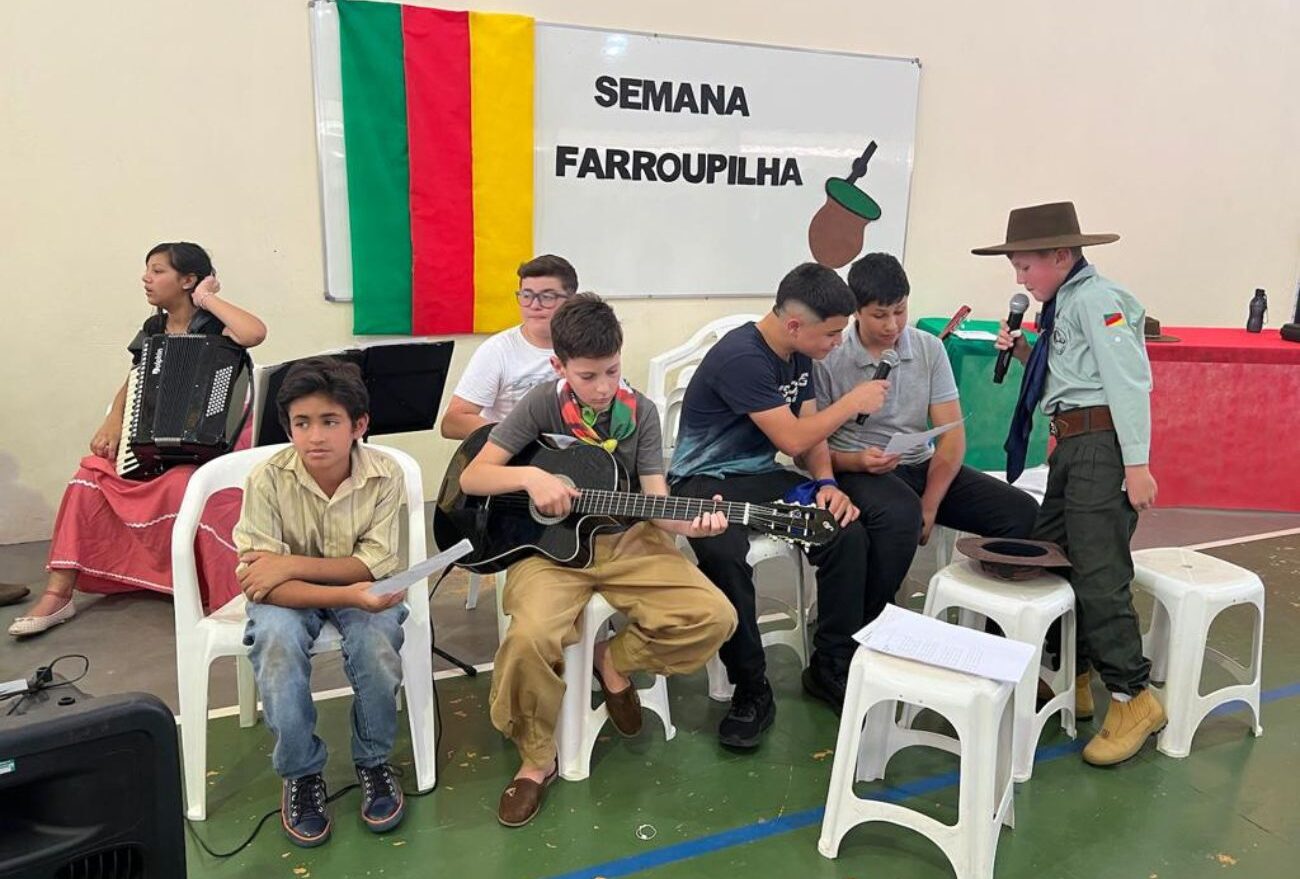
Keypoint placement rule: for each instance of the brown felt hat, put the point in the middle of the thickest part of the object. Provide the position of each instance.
(1151, 331)
(1044, 227)
(1009, 559)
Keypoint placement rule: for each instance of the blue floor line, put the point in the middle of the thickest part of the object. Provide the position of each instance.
(762, 829)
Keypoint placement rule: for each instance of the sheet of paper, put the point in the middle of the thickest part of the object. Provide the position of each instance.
(901, 443)
(421, 571)
(12, 687)
(910, 635)
(976, 335)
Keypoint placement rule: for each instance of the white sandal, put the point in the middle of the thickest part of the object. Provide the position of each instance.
(23, 626)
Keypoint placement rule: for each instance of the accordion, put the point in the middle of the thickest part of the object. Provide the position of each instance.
(186, 403)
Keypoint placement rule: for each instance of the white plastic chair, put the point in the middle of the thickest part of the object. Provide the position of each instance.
(579, 724)
(980, 712)
(667, 394)
(1191, 589)
(201, 639)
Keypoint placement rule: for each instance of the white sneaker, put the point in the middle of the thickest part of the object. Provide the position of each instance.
(24, 626)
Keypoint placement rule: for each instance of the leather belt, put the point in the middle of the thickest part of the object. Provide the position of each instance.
(1076, 422)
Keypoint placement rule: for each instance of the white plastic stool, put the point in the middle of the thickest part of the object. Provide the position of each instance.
(1024, 611)
(580, 724)
(762, 549)
(980, 710)
(1190, 590)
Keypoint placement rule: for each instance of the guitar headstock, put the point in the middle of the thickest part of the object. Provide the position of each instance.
(807, 525)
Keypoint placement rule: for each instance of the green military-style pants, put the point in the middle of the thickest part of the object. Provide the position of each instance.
(1086, 512)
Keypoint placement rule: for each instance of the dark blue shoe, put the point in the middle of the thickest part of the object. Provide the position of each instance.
(302, 810)
(382, 804)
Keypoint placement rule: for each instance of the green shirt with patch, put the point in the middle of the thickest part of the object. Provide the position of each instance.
(1099, 358)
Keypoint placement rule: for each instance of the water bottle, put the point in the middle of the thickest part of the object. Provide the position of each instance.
(1258, 308)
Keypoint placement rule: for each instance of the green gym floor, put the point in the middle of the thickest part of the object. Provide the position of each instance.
(688, 808)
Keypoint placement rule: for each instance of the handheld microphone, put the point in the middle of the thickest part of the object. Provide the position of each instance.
(1019, 305)
(888, 361)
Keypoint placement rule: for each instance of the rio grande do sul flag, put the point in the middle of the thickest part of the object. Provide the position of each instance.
(438, 131)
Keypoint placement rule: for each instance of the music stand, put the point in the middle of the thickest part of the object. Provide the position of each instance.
(405, 381)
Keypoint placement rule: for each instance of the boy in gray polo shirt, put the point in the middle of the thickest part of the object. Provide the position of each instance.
(903, 498)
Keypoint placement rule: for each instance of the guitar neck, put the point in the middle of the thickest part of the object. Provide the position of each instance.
(651, 506)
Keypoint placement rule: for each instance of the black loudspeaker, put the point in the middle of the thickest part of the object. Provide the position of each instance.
(90, 788)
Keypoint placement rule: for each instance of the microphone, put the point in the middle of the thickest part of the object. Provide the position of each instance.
(888, 361)
(1019, 305)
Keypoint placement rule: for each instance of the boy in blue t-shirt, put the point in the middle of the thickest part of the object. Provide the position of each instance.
(753, 396)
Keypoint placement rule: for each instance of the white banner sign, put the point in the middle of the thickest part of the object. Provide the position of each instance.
(689, 167)
(668, 166)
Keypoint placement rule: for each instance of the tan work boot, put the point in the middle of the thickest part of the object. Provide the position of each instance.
(1083, 707)
(1127, 727)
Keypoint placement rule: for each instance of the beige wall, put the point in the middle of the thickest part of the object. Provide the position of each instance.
(1172, 122)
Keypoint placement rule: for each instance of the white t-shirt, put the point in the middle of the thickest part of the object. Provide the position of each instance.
(501, 371)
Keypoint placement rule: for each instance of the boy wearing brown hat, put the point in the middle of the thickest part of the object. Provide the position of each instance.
(1089, 372)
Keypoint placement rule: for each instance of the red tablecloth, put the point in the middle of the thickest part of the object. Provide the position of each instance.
(1225, 419)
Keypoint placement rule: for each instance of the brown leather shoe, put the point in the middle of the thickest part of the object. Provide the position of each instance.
(12, 593)
(624, 707)
(522, 799)
(1125, 730)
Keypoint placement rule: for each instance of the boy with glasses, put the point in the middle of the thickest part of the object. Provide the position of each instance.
(510, 363)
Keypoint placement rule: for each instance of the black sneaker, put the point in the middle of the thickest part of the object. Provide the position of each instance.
(825, 684)
(752, 711)
(382, 804)
(302, 810)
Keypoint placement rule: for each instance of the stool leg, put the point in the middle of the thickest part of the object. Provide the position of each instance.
(720, 689)
(837, 816)
(1186, 658)
(655, 698)
(1155, 643)
(877, 743)
(1257, 662)
(1070, 665)
(1025, 726)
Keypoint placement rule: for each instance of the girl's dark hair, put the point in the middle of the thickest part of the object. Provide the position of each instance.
(337, 379)
(585, 326)
(186, 258)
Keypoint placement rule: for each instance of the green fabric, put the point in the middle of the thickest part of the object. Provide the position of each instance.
(374, 131)
(987, 406)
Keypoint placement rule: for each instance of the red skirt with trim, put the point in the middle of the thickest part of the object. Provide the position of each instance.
(117, 533)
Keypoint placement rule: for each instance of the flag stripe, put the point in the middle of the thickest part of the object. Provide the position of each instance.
(436, 57)
(375, 139)
(501, 84)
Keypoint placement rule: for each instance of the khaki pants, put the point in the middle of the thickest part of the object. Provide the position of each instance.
(677, 619)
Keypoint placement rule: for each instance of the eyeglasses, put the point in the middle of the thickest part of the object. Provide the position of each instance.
(546, 298)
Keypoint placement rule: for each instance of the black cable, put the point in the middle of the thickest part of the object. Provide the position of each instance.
(43, 680)
(437, 747)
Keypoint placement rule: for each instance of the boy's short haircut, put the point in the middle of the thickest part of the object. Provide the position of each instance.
(585, 326)
(548, 265)
(820, 289)
(336, 379)
(878, 279)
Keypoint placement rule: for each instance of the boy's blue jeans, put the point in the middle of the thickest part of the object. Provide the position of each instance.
(281, 639)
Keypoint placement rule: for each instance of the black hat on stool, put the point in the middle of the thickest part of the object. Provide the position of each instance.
(1009, 559)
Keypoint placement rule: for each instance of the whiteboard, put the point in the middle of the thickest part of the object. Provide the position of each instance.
(734, 233)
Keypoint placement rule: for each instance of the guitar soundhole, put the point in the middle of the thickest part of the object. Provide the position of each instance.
(540, 517)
